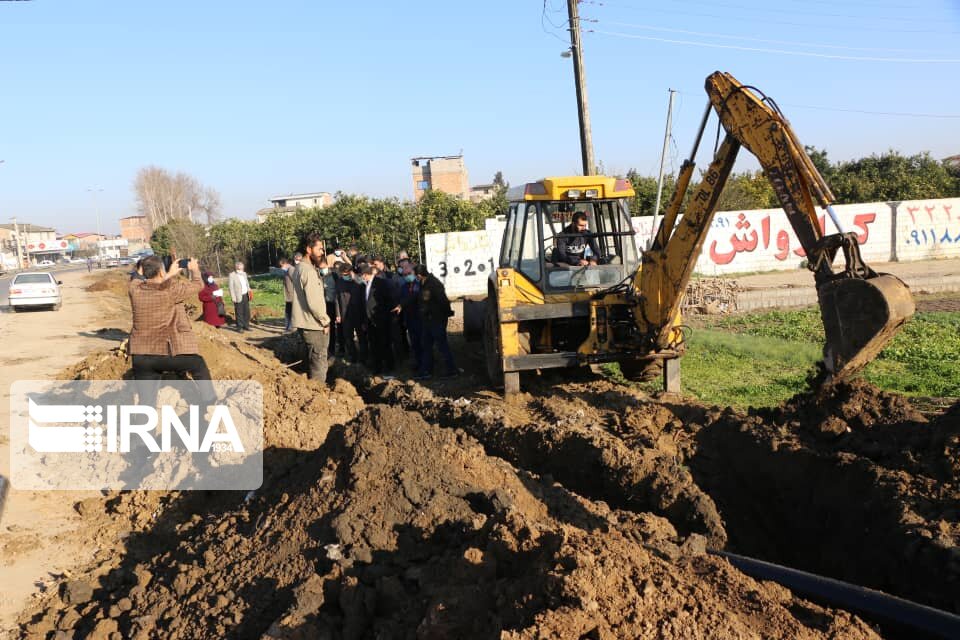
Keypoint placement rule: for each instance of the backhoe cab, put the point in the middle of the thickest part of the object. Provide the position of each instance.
(562, 297)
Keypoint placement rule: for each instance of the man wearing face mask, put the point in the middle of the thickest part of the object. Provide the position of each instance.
(240, 294)
(378, 303)
(310, 308)
(409, 310)
(330, 295)
(435, 312)
(349, 314)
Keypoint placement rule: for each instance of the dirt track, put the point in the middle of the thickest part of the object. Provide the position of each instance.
(579, 509)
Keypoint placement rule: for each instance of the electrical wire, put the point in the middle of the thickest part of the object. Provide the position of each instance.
(901, 114)
(748, 39)
(823, 25)
(544, 19)
(807, 54)
(790, 12)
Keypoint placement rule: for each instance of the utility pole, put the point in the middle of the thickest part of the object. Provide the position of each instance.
(16, 233)
(663, 156)
(96, 208)
(586, 139)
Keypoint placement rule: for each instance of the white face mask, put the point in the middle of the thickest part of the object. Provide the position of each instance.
(210, 279)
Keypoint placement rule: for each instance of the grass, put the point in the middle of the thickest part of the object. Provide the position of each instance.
(761, 359)
(267, 294)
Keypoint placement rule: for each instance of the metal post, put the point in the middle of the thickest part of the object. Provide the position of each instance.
(16, 233)
(583, 113)
(663, 157)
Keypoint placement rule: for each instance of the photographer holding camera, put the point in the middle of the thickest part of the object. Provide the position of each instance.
(162, 338)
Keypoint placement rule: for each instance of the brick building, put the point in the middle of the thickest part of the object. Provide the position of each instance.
(135, 229)
(441, 173)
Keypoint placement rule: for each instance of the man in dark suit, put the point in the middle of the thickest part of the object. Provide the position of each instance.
(379, 303)
(350, 313)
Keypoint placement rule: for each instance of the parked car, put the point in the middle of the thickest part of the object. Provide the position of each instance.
(35, 289)
(126, 260)
(112, 262)
(46, 263)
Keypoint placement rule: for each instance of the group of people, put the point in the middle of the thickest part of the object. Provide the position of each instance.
(354, 307)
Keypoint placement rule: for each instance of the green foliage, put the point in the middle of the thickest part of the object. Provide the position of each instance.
(886, 177)
(747, 190)
(376, 225)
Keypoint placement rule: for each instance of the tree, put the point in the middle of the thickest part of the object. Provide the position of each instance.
(164, 197)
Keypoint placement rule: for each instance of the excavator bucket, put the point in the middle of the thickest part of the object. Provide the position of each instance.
(860, 316)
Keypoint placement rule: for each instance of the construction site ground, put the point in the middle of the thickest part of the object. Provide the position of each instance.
(581, 508)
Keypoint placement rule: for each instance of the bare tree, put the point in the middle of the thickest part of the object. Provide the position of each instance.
(164, 197)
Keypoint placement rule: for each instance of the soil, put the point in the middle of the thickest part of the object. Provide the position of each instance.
(579, 509)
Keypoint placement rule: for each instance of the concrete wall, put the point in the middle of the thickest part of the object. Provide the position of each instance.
(739, 241)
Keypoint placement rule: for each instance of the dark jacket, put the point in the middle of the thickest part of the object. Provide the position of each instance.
(409, 302)
(380, 302)
(349, 301)
(570, 250)
(434, 304)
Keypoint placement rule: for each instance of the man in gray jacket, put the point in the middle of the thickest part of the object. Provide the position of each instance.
(240, 293)
(310, 307)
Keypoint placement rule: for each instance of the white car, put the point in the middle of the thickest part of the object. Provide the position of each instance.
(35, 289)
(46, 263)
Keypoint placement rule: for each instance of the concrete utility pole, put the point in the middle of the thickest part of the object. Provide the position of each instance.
(16, 241)
(663, 156)
(586, 139)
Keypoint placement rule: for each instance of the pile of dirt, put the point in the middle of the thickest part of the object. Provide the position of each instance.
(398, 528)
(876, 504)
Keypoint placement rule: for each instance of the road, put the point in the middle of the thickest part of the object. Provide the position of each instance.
(39, 530)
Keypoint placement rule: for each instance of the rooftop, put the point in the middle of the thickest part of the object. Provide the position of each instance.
(27, 228)
(299, 196)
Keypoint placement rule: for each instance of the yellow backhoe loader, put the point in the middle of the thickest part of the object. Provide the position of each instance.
(572, 289)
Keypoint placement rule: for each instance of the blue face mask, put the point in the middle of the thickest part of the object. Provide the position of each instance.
(346, 278)
(324, 270)
(410, 277)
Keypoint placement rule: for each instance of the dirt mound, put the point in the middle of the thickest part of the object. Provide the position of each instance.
(397, 528)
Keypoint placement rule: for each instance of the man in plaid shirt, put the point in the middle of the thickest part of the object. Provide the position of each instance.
(162, 338)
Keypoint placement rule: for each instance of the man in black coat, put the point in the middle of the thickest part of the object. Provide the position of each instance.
(435, 312)
(573, 243)
(379, 304)
(350, 314)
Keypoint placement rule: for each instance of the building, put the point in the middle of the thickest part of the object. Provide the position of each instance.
(290, 204)
(135, 229)
(113, 248)
(440, 173)
(36, 243)
(481, 192)
(83, 241)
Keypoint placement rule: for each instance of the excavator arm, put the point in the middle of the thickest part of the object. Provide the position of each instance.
(861, 310)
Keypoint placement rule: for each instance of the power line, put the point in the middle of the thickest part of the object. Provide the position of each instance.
(544, 19)
(805, 25)
(808, 54)
(791, 12)
(900, 114)
(747, 39)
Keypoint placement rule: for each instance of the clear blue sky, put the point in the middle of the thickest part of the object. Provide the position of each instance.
(262, 98)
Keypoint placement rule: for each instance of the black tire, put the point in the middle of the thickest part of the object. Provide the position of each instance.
(474, 318)
(15, 309)
(491, 343)
(641, 370)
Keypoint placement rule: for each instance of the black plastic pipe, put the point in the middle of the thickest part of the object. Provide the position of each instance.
(873, 605)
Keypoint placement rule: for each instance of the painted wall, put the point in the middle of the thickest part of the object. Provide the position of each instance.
(738, 241)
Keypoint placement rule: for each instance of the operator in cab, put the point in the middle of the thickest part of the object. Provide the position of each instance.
(576, 246)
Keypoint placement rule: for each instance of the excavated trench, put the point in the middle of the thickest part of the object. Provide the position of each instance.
(853, 485)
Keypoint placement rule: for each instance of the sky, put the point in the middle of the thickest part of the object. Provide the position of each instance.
(258, 99)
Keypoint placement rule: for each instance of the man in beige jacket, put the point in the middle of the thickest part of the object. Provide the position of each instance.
(310, 307)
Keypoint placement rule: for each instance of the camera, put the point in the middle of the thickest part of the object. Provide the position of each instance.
(183, 263)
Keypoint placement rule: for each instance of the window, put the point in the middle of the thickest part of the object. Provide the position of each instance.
(530, 253)
(423, 185)
(508, 236)
(33, 278)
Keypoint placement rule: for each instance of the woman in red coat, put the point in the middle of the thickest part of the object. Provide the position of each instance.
(209, 296)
